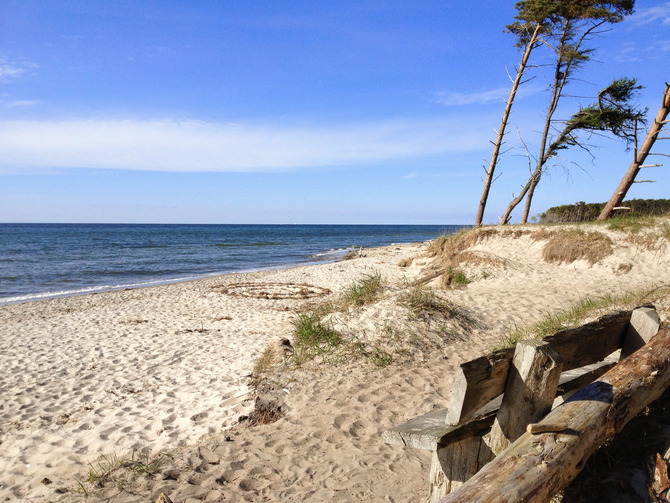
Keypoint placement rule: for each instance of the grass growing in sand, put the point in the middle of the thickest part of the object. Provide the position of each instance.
(579, 313)
(423, 301)
(380, 358)
(630, 224)
(268, 359)
(121, 472)
(455, 277)
(311, 337)
(570, 245)
(365, 291)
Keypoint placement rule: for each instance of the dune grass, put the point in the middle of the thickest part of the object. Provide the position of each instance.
(422, 301)
(365, 291)
(455, 278)
(268, 359)
(121, 472)
(312, 337)
(569, 245)
(577, 315)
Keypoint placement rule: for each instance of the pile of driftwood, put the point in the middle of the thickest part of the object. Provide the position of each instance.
(522, 422)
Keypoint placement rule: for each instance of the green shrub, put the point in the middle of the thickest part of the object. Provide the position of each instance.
(455, 277)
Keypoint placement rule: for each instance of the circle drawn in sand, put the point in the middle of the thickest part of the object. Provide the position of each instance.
(275, 290)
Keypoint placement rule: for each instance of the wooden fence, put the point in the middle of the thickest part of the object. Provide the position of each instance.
(496, 397)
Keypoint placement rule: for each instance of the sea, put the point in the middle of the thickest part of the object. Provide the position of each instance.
(40, 261)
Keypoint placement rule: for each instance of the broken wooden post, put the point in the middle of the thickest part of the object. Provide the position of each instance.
(644, 324)
(476, 383)
(529, 394)
(535, 467)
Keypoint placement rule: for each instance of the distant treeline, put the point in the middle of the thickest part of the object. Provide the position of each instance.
(584, 212)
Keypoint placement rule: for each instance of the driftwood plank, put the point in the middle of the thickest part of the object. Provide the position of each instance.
(431, 432)
(530, 392)
(476, 383)
(535, 467)
(574, 379)
(479, 381)
(592, 342)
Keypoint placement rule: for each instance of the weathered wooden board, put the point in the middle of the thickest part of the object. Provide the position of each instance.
(644, 324)
(454, 465)
(476, 383)
(530, 392)
(574, 379)
(479, 381)
(592, 342)
(430, 431)
(535, 467)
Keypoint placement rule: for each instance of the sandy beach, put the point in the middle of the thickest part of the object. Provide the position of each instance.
(95, 378)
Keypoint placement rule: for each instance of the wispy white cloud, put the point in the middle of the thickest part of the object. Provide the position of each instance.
(651, 50)
(483, 97)
(21, 103)
(662, 45)
(496, 95)
(10, 70)
(652, 14)
(410, 176)
(189, 146)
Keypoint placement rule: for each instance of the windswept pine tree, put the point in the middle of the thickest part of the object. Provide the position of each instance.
(613, 112)
(566, 26)
(532, 22)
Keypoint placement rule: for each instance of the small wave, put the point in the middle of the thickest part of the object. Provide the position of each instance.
(90, 289)
(147, 246)
(139, 272)
(241, 245)
(334, 254)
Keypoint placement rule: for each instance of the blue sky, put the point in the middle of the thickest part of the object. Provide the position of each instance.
(180, 111)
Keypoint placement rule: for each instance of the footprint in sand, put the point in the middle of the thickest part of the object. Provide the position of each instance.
(196, 418)
(340, 420)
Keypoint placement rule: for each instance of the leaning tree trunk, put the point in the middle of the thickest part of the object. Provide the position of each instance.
(529, 201)
(513, 204)
(640, 156)
(503, 124)
(532, 182)
(560, 78)
(567, 57)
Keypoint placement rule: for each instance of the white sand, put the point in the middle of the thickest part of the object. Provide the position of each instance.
(168, 367)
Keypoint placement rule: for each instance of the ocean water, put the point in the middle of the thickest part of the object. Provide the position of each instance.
(40, 261)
